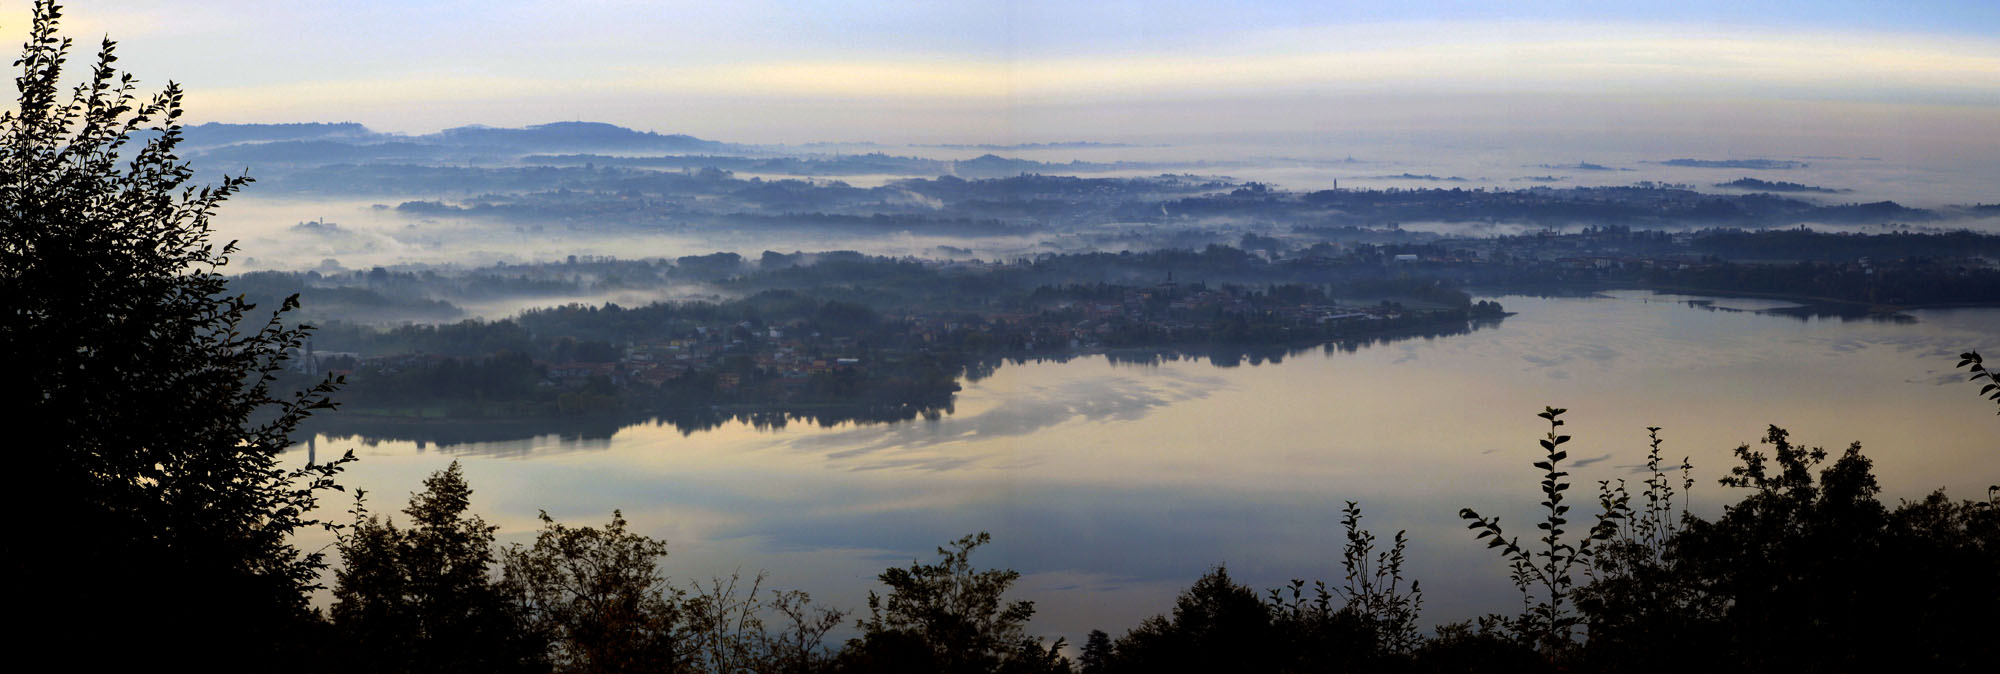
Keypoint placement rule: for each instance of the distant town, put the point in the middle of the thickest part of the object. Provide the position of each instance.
(841, 335)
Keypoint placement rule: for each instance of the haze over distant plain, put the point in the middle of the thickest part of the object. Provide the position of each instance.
(1886, 78)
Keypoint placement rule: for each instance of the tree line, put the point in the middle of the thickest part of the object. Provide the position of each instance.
(1808, 571)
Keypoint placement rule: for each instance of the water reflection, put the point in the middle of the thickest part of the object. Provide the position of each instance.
(1022, 412)
(1844, 311)
(494, 437)
(516, 437)
(1114, 480)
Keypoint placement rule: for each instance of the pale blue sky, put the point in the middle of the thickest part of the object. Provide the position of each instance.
(925, 70)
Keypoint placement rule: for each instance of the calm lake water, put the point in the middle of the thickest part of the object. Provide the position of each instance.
(1112, 486)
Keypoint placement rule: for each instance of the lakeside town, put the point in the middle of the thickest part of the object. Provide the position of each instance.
(833, 354)
(891, 337)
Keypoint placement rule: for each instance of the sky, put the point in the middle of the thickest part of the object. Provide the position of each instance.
(1029, 70)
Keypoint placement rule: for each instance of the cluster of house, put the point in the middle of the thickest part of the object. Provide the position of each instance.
(1191, 311)
(652, 364)
(647, 364)
(791, 355)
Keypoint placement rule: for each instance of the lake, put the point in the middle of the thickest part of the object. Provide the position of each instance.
(1111, 486)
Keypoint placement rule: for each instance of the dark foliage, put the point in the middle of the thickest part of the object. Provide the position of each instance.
(1808, 574)
(597, 598)
(578, 600)
(1971, 361)
(422, 598)
(1805, 244)
(1367, 622)
(1546, 574)
(950, 618)
(1216, 625)
(1904, 282)
(1805, 573)
(726, 628)
(162, 513)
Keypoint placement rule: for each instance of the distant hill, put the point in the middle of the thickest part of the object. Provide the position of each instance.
(317, 144)
(1747, 183)
(995, 166)
(1875, 212)
(572, 136)
(1069, 145)
(317, 152)
(215, 133)
(1412, 176)
(1752, 164)
(1581, 166)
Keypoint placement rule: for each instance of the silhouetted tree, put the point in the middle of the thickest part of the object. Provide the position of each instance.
(1097, 653)
(1633, 567)
(1484, 645)
(727, 632)
(951, 618)
(1809, 574)
(421, 599)
(1366, 622)
(160, 512)
(1545, 574)
(597, 598)
(1216, 625)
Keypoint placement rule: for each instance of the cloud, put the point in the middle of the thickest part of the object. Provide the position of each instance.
(1405, 58)
(807, 71)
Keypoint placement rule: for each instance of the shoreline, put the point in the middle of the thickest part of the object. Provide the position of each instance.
(1804, 301)
(422, 418)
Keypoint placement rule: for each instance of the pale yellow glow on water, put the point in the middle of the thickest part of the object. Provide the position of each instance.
(1123, 482)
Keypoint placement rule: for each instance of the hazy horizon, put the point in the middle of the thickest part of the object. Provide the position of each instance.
(1924, 78)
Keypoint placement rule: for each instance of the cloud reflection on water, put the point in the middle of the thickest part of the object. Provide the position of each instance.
(1017, 414)
(1128, 481)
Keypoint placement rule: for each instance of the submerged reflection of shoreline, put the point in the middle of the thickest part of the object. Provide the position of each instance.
(520, 437)
(1093, 399)
(490, 437)
(1110, 483)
